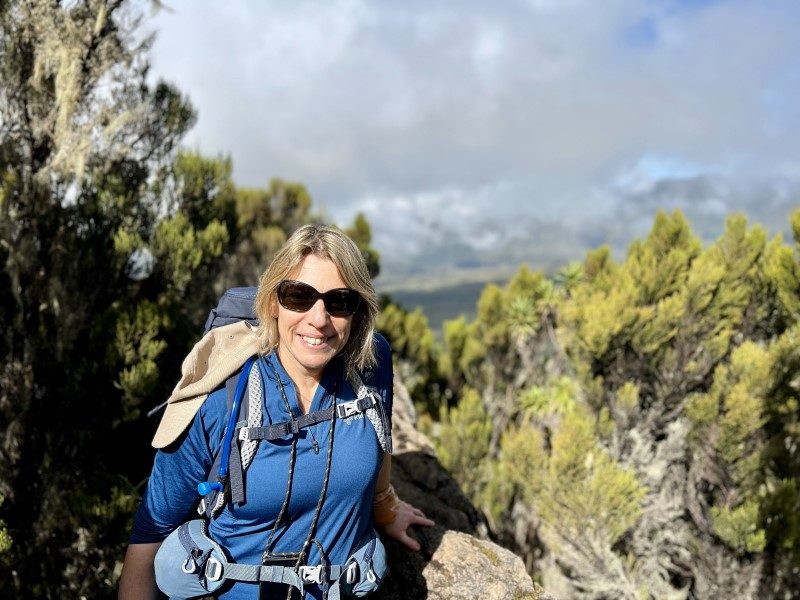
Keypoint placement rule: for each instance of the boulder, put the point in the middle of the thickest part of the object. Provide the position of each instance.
(456, 560)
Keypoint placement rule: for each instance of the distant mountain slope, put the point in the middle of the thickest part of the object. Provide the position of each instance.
(443, 303)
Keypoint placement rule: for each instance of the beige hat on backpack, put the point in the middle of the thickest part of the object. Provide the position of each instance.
(218, 355)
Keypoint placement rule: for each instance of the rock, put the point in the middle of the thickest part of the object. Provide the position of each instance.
(456, 561)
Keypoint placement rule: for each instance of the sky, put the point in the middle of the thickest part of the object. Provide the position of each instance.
(475, 136)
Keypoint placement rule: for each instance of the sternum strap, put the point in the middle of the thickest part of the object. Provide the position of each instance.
(279, 430)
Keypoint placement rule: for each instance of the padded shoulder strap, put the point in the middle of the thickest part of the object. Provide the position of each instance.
(377, 414)
(213, 503)
(235, 471)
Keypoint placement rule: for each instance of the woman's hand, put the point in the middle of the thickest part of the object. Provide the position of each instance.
(406, 516)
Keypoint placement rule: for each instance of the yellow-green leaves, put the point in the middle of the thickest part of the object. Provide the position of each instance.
(361, 234)
(627, 398)
(463, 350)
(678, 367)
(658, 266)
(729, 422)
(181, 249)
(408, 333)
(557, 398)
(736, 404)
(783, 269)
(702, 409)
(580, 488)
(138, 344)
(670, 307)
(739, 527)
(5, 538)
(463, 442)
(598, 316)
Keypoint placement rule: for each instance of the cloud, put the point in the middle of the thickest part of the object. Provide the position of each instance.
(476, 128)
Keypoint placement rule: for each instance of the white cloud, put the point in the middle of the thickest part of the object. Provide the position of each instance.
(448, 119)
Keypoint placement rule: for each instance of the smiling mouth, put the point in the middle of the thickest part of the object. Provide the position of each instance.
(313, 341)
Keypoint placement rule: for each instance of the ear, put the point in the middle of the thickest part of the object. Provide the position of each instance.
(273, 308)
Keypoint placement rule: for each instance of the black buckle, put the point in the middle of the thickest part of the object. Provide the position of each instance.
(288, 559)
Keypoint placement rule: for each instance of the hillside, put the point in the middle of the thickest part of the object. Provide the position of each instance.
(442, 303)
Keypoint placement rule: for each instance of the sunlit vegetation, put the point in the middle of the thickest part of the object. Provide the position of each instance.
(638, 421)
(631, 428)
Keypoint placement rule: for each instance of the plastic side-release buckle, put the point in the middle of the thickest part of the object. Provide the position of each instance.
(351, 574)
(310, 574)
(244, 434)
(213, 569)
(347, 409)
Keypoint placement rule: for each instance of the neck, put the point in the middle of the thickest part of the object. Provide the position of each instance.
(305, 382)
(305, 388)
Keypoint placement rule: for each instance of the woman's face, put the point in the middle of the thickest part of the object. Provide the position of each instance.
(307, 341)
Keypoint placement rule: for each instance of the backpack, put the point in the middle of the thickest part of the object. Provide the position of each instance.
(205, 567)
(235, 305)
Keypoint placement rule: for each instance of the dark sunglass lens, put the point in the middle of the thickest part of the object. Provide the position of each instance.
(296, 296)
(341, 303)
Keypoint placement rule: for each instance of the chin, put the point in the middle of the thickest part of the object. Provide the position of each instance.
(318, 360)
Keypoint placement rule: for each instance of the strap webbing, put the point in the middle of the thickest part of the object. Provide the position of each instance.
(254, 416)
(265, 573)
(378, 417)
(279, 430)
(211, 505)
(235, 473)
(287, 575)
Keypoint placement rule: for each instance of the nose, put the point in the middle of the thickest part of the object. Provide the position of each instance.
(317, 314)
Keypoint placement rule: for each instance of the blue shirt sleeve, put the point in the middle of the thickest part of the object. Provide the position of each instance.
(172, 489)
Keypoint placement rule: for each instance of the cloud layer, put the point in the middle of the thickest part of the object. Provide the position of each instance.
(479, 134)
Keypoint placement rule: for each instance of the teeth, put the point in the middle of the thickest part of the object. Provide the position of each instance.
(312, 341)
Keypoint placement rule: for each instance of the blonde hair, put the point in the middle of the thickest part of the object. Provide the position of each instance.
(331, 243)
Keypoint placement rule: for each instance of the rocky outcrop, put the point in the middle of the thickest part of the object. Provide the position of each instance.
(456, 560)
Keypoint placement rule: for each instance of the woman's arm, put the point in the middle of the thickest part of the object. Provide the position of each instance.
(170, 496)
(138, 581)
(392, 514)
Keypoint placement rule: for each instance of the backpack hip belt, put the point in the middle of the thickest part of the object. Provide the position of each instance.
(205, 568)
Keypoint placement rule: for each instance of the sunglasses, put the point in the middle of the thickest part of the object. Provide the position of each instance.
(299, 297)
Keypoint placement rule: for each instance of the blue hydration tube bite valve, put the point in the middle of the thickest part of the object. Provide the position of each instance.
(206, 487)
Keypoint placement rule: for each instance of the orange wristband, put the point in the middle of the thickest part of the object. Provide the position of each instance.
(384, 506)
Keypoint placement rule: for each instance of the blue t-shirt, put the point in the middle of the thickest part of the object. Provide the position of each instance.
(346, 513)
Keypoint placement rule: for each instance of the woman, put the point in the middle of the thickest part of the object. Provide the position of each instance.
(304, 493)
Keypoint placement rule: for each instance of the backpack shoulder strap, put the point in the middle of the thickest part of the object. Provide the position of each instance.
(214, 500)
(235, 470)
(377, 414)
